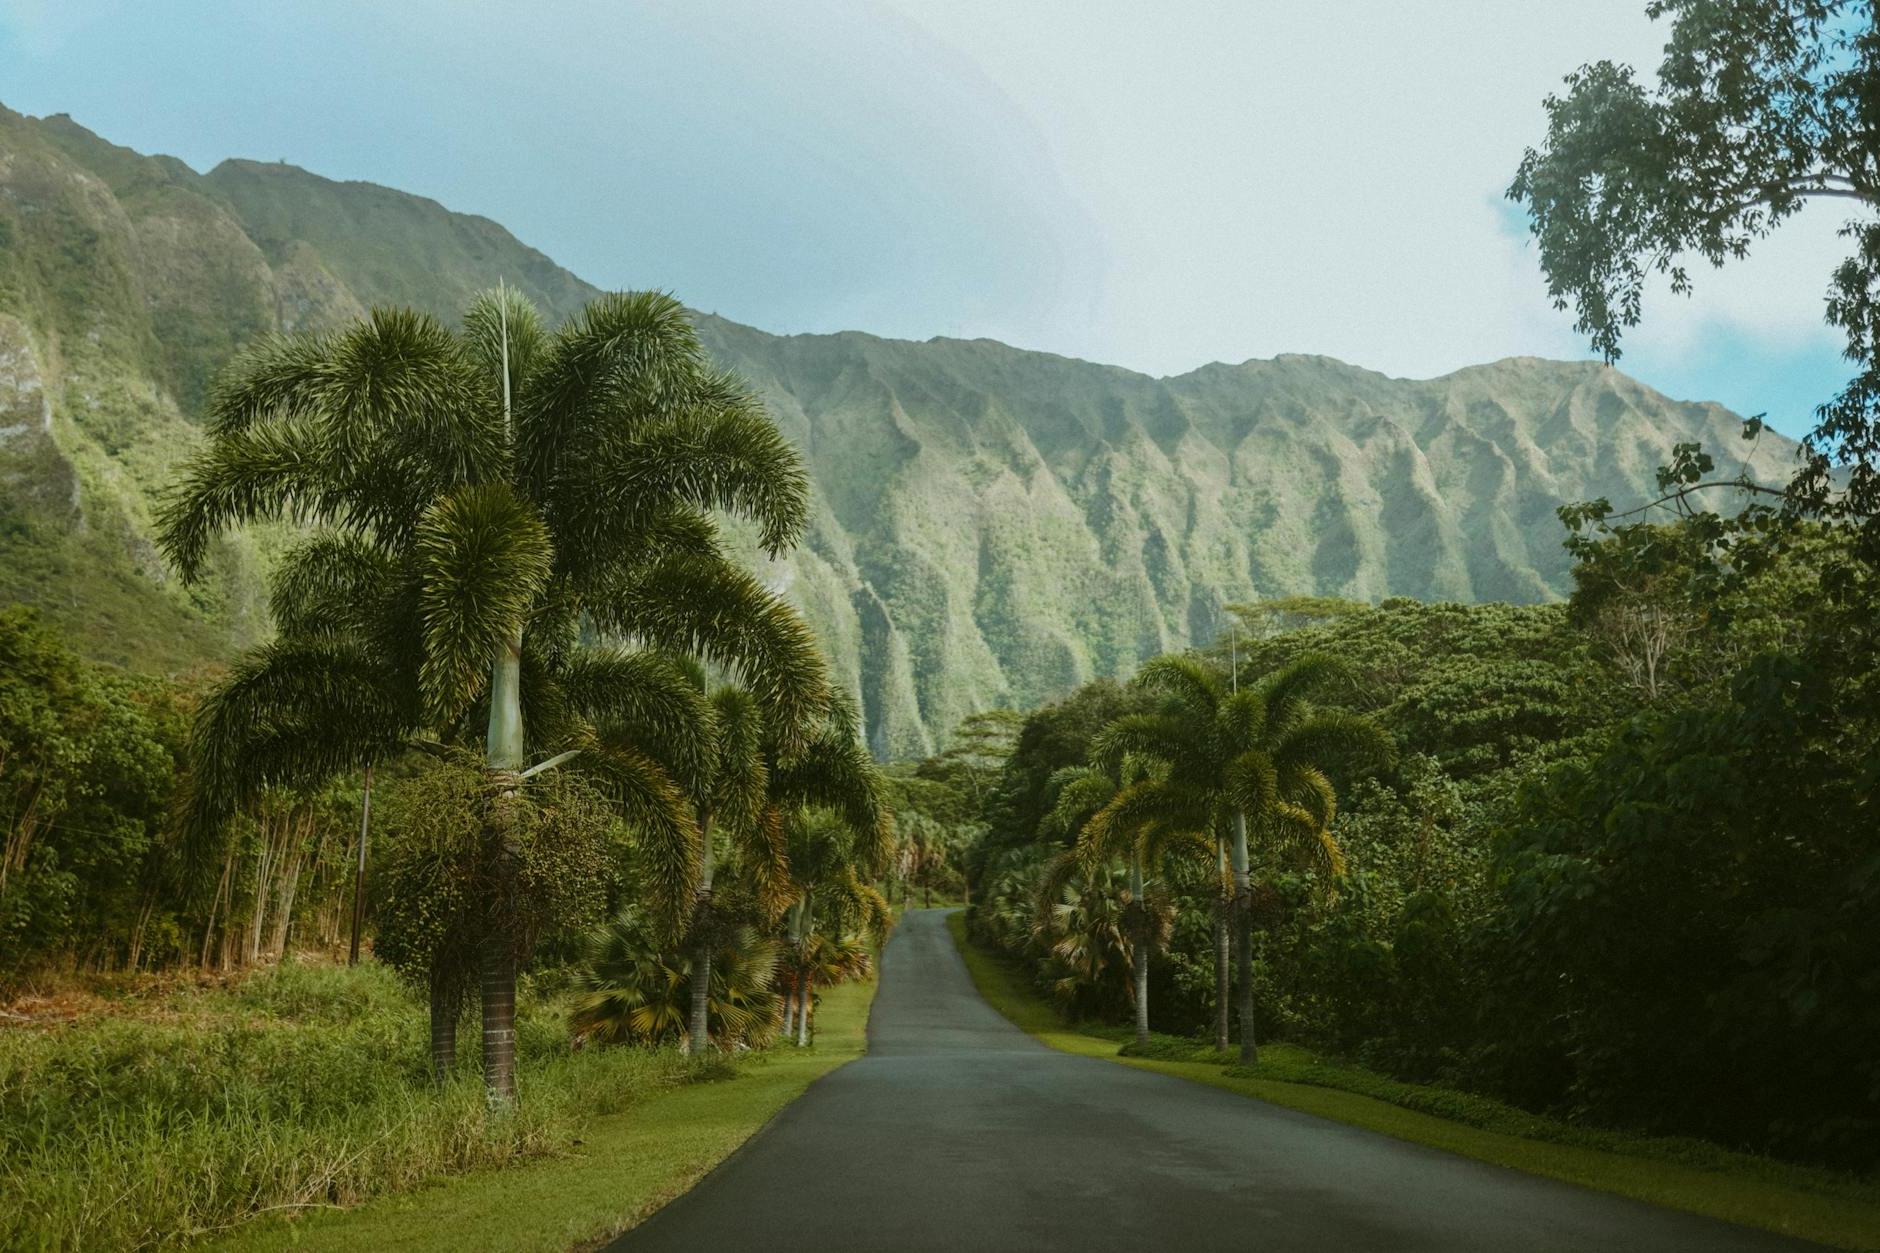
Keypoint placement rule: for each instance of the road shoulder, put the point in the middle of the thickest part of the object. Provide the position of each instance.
(626, 1165)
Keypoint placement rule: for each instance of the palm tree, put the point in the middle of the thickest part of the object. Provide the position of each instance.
(839, 831)
(922, 852)
(1248, 760)
(482, 503)
(1096, 804)
(733, 802)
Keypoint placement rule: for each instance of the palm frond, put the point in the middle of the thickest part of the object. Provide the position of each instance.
(1296, 832)
(765, 851)
(291, 714)
(1058, 872)
(1117, 829)
(700, 603)
(399, 380)
(836, 773)
(624, 355)
(1308, 676)
(1252, 783)
(1242, 720)
(739, 776)
(1165, 838)
(331, 582)
(1188, 679)
(278, 471)
(484, 558)
(1312, 792)
(1332, 738)
(646, 698)
(732, 459)
(274, 377)
(860, 904)
(492, 316)
(1078, 792)
(1167, 736)
(666, 839)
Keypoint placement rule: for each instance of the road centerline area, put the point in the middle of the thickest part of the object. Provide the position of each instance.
(959, 1131)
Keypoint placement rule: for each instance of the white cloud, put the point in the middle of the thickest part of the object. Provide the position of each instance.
(1156, 185)
(1308, 177)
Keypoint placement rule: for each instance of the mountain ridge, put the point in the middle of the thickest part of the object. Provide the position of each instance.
(990, 524)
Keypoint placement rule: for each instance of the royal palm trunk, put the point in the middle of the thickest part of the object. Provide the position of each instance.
(803, 922)
(503, 753)
(1243, 940)
(699, 1028)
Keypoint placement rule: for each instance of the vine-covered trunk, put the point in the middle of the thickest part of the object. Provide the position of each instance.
(503, 753)
(445, 1003)
(1243, 940)
(789, 1010)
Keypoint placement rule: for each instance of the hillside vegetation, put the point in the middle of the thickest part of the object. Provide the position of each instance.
(991, 527)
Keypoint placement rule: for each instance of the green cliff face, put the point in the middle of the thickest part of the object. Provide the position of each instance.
(992, 526)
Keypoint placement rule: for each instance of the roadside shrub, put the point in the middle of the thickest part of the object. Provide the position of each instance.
(302, 1087)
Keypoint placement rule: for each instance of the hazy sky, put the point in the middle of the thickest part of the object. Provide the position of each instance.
(1152, 184)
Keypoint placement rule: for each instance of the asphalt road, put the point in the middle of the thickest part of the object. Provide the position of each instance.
(958, 1131)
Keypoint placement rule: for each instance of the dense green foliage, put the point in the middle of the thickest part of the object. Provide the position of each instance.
(88, 762)
(1624, 904)
(300, 1087)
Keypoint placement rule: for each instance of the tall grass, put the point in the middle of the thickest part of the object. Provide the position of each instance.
(302, 1087)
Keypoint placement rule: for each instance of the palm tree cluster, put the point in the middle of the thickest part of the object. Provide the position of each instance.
(508, 547)
(1225, 776)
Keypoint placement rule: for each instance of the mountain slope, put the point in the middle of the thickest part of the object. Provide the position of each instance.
(1008, 523)
(991, 525)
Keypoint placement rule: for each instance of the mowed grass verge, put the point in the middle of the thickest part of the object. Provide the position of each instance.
(623, 1167)
(1818, 1205)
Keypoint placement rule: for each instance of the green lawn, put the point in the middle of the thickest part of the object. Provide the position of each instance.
(623, 1168)
(1811, 1204)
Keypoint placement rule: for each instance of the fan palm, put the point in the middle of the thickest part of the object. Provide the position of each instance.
(1251, 761)
(632, 991)
(479, 502)
(1081, 924)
